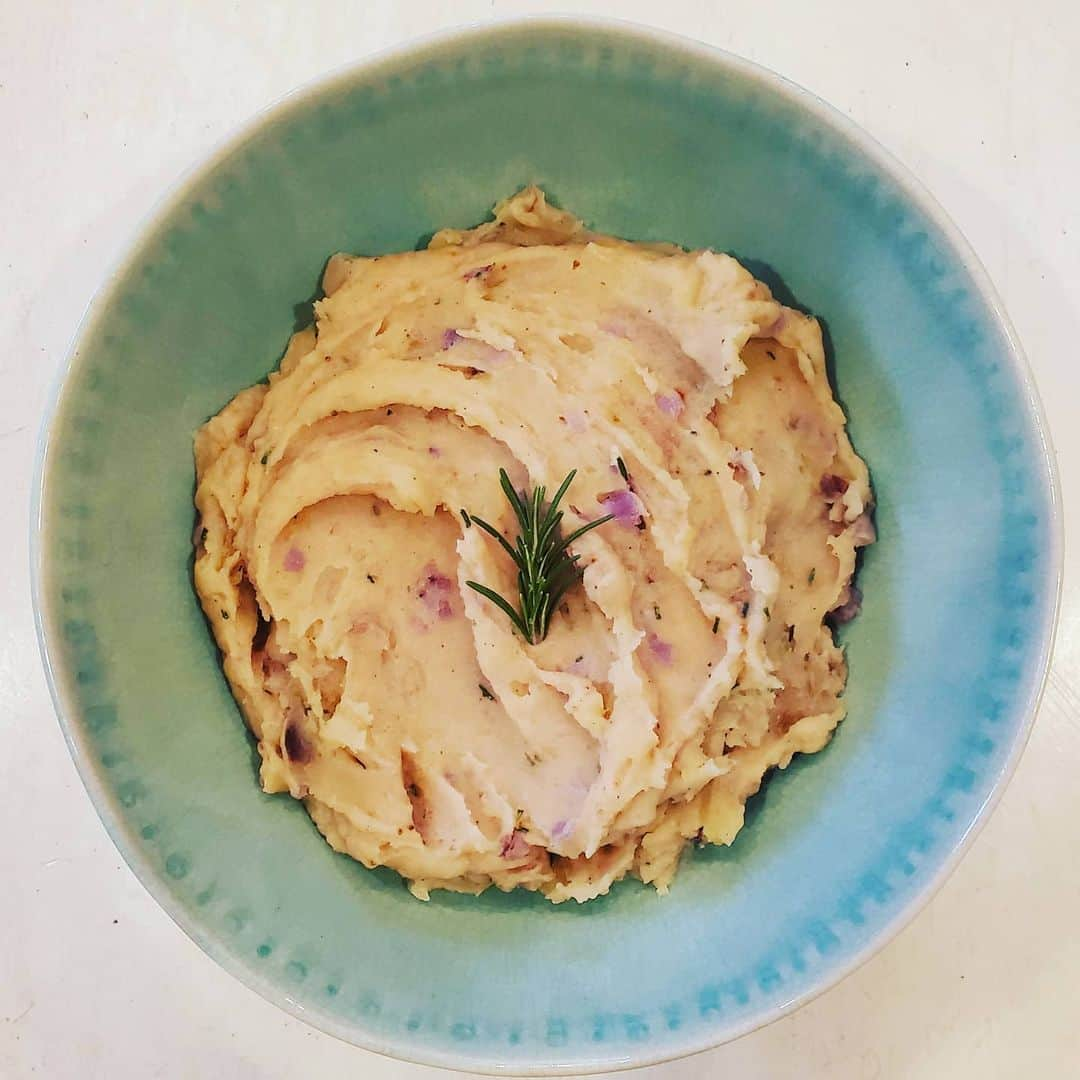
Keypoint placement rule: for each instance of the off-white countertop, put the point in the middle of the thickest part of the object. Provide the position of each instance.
(103, 104)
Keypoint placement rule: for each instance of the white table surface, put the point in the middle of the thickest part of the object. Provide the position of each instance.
(103, 104)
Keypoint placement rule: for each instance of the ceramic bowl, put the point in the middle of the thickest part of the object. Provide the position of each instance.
(650, 138)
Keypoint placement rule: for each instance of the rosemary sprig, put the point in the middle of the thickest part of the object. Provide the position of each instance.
(545, 568)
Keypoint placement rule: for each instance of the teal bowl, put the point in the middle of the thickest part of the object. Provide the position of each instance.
(650, 138)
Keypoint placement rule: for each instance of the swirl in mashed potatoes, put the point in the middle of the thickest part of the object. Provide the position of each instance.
(420, 730)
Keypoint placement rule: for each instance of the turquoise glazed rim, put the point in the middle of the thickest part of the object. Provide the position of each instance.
(653, 138)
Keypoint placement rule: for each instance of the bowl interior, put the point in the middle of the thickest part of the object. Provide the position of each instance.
(653, 141)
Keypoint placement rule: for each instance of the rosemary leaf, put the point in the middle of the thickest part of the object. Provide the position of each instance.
(545, 568)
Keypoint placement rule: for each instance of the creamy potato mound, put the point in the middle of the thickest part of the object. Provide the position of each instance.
(422, 732)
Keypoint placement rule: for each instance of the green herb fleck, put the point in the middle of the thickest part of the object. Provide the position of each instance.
(225, 615)
(656, 612)
(465, 517)
(622, 469)
(485, 692)
(371, 578)
(545, 570)
(265, 458)
(810, 577)
(716, 624)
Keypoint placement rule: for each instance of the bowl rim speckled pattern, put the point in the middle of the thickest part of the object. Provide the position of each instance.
(48, 634)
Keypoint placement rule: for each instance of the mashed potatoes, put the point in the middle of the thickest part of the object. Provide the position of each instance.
(420, 730)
